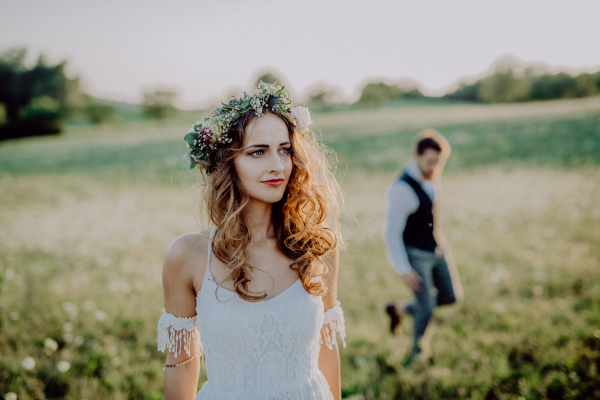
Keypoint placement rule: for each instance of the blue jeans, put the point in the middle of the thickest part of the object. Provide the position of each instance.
(435, 275)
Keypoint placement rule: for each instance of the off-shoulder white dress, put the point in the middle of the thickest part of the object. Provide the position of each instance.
(265, 351)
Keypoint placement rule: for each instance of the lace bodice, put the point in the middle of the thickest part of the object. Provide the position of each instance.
(257, 350)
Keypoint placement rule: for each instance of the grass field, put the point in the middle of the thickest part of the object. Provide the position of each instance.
(85, 220)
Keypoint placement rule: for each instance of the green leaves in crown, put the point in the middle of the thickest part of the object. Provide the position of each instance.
(274, 98)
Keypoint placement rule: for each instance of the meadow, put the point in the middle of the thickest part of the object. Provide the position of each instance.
(85, 220)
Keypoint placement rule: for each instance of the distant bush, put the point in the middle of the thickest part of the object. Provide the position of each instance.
(98, 112)
(380, 93)
(158, 104)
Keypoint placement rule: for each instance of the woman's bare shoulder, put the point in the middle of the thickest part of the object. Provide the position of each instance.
(187, 253)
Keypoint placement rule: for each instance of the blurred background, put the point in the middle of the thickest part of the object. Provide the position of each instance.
(95, 99)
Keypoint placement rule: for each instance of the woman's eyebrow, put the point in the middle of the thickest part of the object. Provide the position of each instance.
(266, 145)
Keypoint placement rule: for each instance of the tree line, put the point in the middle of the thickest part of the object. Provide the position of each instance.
(36, 99)
(507, 84)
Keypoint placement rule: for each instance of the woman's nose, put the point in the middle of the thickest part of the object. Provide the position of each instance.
(276, 165)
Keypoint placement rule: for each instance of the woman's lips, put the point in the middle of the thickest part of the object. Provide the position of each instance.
(273, 182)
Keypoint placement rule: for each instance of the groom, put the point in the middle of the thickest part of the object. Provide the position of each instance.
(409, 238)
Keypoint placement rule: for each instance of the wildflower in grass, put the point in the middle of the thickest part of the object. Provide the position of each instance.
(10, 396)
(67, 327)
(88, 305)
(78, 340)
(28, 363)
(14, 315)
(537, 290)
(100, 315)
(70, 309)
(461, 391)
(63, 366)
(597, 334)
(474, 355)
(446, 372)
(50, 344)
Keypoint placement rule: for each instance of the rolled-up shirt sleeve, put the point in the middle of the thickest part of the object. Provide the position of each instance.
(401, 202)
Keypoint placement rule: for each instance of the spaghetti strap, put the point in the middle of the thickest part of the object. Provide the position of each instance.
(212, 234)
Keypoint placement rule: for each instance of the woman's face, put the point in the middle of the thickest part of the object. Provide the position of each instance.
(264, 165)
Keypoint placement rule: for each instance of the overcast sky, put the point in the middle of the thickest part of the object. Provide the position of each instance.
(203, 48)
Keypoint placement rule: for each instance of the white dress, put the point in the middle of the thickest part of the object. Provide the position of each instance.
(256, 350)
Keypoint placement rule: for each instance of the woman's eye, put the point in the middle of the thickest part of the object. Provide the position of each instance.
(257, 153)
(286, 150)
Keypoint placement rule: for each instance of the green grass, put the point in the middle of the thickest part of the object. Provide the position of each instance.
(85, 220)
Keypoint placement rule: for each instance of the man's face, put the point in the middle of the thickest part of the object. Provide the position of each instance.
(427, 162)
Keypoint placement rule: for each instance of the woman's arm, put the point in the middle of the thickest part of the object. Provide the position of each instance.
(181, 382)
(329, 359)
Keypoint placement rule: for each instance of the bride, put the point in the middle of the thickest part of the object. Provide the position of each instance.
(255, 294)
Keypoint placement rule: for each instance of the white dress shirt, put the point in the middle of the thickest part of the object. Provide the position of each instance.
(402, 201)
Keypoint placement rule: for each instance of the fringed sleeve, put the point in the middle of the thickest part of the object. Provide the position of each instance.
(333, 321)
(175, 333)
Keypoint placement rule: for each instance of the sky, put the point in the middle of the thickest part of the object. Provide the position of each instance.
(205, 49)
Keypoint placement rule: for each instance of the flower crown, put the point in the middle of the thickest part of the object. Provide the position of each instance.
(204, 136)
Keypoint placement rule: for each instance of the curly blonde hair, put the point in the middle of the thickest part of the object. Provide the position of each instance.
(305, 219)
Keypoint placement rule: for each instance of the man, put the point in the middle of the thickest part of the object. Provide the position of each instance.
(410, 238)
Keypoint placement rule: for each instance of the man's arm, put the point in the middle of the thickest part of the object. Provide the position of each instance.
(399, 206)
(444, 248)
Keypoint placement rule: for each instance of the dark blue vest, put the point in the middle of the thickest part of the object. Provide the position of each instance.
(419, 226)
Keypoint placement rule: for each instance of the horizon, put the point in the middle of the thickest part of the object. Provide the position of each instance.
(119, 50)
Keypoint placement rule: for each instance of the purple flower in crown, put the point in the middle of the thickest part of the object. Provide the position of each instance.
(205, 135)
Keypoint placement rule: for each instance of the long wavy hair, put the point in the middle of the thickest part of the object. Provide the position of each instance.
(305, 219)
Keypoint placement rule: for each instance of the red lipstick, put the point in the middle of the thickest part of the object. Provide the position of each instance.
(273, 182)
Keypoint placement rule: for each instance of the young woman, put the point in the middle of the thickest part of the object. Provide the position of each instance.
(256, 292)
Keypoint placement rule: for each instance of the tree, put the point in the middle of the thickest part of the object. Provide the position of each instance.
(158, 104)
(379, 93)
(35, 99)
(504, 86)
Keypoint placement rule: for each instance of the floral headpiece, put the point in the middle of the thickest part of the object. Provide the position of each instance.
(204, 136)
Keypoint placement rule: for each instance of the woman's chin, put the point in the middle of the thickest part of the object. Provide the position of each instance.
(271, 198)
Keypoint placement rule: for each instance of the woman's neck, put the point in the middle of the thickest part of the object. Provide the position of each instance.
(259, 218)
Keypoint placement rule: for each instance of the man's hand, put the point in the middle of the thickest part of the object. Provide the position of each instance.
(413, 280)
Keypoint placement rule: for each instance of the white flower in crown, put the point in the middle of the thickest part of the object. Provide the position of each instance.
(302, 117)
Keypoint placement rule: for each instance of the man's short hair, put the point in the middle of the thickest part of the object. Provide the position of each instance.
(428, 143)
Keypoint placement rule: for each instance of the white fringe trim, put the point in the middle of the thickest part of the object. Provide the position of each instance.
(333, 321)
(174, 331)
